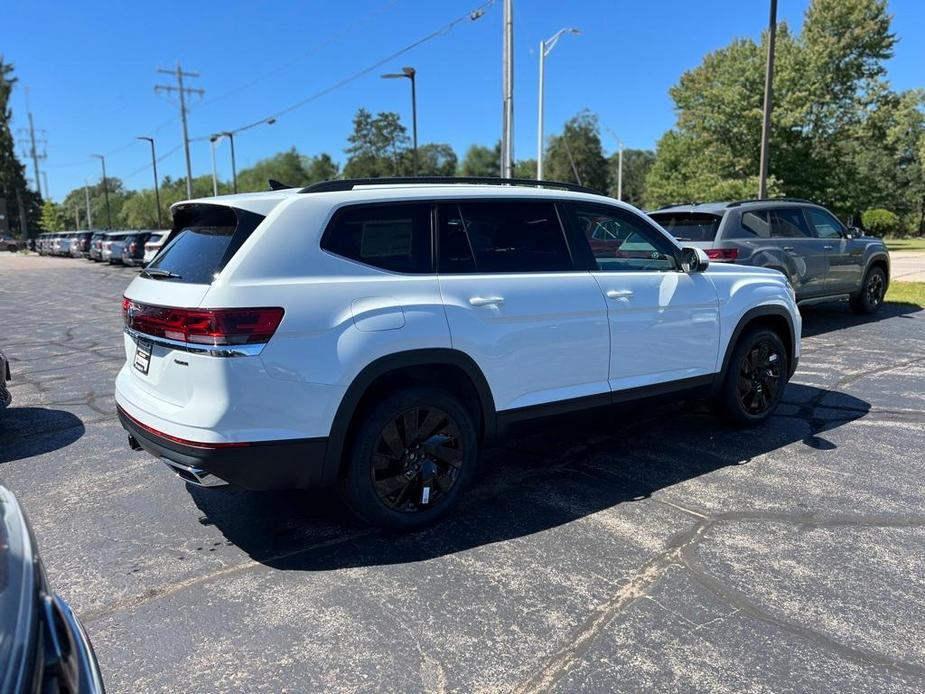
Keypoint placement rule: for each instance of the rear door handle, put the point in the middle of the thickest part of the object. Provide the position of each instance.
(619, 293)
(486, 300)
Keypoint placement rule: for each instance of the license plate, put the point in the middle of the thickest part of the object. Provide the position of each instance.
(142, 356)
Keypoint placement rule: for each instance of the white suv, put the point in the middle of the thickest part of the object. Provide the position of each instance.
(374, 334)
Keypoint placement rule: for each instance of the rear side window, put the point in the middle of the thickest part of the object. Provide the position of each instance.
(391, 237)
(689, 226)
(205, 238)
(788, 223)
(753, 223)
(502, 237)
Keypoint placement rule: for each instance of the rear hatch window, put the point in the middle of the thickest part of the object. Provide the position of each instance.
(688, 226)
(203, 240)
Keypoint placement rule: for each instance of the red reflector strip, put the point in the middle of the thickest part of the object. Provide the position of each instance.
(722, 253)
(177, 439)
(216, 327)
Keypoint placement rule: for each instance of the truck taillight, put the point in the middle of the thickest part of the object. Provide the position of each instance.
(722, 254)
(221, 326)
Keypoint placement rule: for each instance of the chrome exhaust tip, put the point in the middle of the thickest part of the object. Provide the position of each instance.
(194, 475)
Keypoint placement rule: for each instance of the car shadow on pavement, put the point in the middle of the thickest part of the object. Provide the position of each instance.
(551, 474)
(824, 318)
(29, 431)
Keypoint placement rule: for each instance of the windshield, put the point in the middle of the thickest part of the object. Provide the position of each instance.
(688, 226)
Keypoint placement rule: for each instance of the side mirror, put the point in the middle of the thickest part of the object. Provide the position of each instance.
(693, 260)
(852, 233)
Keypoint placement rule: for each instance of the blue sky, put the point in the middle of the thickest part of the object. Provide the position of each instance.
(91, 71)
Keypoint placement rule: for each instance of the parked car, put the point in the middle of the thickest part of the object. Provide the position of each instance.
(374, 334)
(153, 245)
(111, 249)
(133, 248)
(43, 646)
(10, 244)
(5, 396)
(96, 246)
(80, 248)
(823, 259)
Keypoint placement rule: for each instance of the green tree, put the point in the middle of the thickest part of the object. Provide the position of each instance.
(482, 161)
(576, 155)
(320, 168)
(52, 218)
(13, 187)
(636, 165)
(286, 167)
(378, 146)
(433, 160)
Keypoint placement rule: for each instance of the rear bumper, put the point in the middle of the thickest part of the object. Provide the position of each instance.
(263, 465)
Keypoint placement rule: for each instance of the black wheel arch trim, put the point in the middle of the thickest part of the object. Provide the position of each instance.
(747, 318)
(435, 356)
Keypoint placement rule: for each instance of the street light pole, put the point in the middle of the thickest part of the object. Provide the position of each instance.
(212, 140)
(619, 163)
(545, 48)
(768, 94)
(87, 197)
(507, 91)
(234, 170)
(410, 72)
(105, 189)
(157, 194)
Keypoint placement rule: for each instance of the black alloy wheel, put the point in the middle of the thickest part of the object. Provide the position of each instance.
(759, 378)
(417, 459)
(411, 455)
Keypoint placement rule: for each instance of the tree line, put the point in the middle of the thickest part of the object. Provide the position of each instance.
(840, 136)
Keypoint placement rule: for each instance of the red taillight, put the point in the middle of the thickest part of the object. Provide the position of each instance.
(722, 254)
(222, 326)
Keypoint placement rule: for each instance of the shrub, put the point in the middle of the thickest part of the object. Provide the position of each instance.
(881, 222)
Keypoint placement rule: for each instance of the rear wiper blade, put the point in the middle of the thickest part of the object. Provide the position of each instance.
(157, 273)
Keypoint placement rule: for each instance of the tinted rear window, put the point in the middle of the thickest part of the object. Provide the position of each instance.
(205, 238)
(392, 237)
(689, 226)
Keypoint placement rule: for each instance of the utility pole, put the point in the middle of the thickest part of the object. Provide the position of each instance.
(105, 189)
(32, 142)
(619, 163)
(768, 94)
(87, 197)
(182, 92)
(507, 115)
(23, 227)
(47, 195)
(77, 217)
(212, 141)
(157, 195)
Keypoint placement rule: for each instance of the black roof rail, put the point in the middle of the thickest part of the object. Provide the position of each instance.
(350, 183)
(736, 203)
(692, 203)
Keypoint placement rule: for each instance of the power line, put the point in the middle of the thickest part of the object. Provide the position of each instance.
(472, 15)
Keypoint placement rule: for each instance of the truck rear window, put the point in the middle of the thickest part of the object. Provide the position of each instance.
(689, 226)
(203, 240)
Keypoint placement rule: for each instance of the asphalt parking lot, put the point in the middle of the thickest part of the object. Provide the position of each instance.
(654, 550)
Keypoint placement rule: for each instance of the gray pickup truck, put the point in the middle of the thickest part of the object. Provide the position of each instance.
(824, 259)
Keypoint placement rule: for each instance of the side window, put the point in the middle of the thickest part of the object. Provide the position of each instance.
(788, 223)
(823, 224)
(621, 242)
(505, 236)
(755, 223)
(390, 237)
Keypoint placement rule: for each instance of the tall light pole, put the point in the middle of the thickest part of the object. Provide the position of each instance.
(410, 72)
(619, 163)
(507, 95)
(768, 94)
(105, 189)
(216, 137)
(545, 49)
(212, 140)
(157, 194)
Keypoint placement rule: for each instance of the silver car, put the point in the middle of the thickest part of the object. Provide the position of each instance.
(823, 259)
(111, 249)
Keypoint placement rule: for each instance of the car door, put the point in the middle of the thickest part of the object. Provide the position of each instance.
(664, 323)
(515, 303)
(845, 256)
(805, 255)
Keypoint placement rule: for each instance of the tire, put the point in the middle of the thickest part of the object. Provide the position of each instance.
(870, 298)
(390, 481)
(755, 378)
